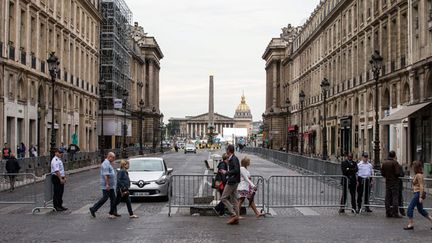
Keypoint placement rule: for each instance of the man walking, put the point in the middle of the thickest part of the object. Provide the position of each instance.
(365, 171)
(58, 180)
(349, 170)
(390, 170)
(229, 197)
(108, 185)
(12, 167)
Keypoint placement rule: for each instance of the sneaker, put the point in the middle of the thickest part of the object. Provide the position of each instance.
(64, 209)
(111, 216)
(409, 228)
(116, 214)
(92, 212)
(341, 210)
(133, 216)
(59, 209)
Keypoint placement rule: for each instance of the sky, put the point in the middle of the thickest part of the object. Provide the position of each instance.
(223, 38)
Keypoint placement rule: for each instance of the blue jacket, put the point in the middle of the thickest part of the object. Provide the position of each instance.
(123, 180)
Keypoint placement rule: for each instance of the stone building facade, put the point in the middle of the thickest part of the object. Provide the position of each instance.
(336, 43)
(29, 31)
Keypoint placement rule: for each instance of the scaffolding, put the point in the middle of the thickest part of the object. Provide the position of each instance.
(114, 50)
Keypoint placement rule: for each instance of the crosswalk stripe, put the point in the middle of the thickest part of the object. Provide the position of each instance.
(83, 210)
(123, 210)
(308, 211)
(10, 208)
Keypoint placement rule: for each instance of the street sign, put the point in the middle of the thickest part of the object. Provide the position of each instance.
(118, 103)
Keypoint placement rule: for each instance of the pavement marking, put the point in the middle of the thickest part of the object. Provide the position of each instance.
(272, 212)
(83, 210)
(123, 210)
(308, 211)
(201, 188)
(10, 208)
(165, 209)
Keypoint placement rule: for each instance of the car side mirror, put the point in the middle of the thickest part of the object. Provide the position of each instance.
(170, 170)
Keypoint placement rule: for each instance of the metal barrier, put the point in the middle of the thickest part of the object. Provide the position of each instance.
(48, 195)
(378, 191)
(21, 179)
(305, 191)
(187, 191)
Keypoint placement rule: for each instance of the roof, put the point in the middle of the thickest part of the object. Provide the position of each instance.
(403, 113)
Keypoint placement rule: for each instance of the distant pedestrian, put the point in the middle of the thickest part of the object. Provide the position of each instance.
(364, 176)
(419, 196)
(23, 150)
(32, 151)
(229, 197)
(18, 151)
(390, 170)
(107, 185)
(123, 185)
(349, 170)
(220, 182)
(12, 167)
(62, 148)
(246, 188)
(58, 180)
(6, 151)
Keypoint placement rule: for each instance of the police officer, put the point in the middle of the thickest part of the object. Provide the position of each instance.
(58, 180)
(349, 170)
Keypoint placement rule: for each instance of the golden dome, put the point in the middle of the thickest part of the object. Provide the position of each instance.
(243, 109)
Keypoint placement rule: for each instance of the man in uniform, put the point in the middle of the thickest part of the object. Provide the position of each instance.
(365, 171)
(58, 180)
(349, 170)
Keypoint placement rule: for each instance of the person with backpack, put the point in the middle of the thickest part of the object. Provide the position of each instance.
(12, 168)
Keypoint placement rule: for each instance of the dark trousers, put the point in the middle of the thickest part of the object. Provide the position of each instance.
(352, 189)
(125, 199)
(392, 199)
(105, 195)
(400, 197)
(363, 187)
(58, 192)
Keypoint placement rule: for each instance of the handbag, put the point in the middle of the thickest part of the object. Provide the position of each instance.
(124, 192)
(423, 195)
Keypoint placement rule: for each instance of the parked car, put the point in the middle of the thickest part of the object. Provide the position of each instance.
(190, 148)
(149, 177)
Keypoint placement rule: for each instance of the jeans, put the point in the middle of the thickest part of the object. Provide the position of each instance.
(363, 187)
(352, 189)
(58, 192)
(126, 199)
(392, 199)
(415, 203)
(229, 199)
(105, 195)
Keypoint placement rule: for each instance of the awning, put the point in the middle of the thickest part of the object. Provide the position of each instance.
(403, 113)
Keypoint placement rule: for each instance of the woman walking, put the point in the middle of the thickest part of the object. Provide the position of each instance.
(246, 188)
(123, 184)
(418, 196)
(220, 181)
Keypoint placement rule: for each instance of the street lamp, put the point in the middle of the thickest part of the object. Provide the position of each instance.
(301, 98)
(377, 63)
(161, 126)
(53, 63)
(102, 89)
(325, 86)
(288, 103)
(124, 151)
(141, 117)
(154, 115)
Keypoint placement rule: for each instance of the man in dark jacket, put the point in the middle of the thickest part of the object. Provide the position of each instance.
(349, 170)
(12, 167)
(390, 170)
(229, 197)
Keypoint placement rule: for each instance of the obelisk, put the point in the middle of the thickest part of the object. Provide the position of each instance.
(211, 103)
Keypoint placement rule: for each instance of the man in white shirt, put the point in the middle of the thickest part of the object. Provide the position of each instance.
(365, 171)
(58, 180)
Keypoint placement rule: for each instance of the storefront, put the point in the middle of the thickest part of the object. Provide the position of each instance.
(293, 142)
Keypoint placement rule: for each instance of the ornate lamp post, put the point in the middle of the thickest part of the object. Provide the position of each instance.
(53, 63)
(376, 62)
(141, 117)
(288, 103)
(124, 151)
(301, 98)
(161, 126)
(325, 86)
(102, 89)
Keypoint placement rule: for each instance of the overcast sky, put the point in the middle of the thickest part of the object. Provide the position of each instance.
(225, 38)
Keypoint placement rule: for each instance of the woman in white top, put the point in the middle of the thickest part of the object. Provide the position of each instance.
(246, 188)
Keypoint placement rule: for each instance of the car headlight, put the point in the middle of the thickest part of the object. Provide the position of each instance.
(161, 180)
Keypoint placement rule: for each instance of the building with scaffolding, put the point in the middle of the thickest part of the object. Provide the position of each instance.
(129, 70)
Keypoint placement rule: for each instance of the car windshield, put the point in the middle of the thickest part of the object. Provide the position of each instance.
(145, 165)
(190, 146)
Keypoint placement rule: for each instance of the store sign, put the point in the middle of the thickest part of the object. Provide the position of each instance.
(118, 103)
